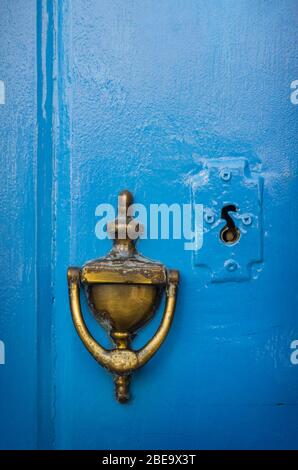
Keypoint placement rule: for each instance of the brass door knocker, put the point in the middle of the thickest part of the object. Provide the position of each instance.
(123, 291)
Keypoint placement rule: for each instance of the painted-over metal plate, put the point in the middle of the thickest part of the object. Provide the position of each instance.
(222, 182)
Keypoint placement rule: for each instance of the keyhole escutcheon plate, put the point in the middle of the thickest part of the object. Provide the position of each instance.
(230, 190)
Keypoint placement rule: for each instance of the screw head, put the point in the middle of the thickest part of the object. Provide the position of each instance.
(231, 265)
(225, 174)
(246, 219)
(209, 217)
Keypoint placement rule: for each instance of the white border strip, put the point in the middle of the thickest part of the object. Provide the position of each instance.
(2, 92)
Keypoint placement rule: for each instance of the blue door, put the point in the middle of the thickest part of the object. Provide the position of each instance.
(187, 103)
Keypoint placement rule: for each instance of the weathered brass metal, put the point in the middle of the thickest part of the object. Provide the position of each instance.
(123, 291)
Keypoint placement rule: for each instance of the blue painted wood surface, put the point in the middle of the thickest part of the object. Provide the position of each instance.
(107, 95)
(18, 149)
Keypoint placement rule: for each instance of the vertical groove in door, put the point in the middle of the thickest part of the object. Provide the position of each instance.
(44, 220)
(62, 231)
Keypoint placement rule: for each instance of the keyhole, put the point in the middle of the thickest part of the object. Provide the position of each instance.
(229, 234)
